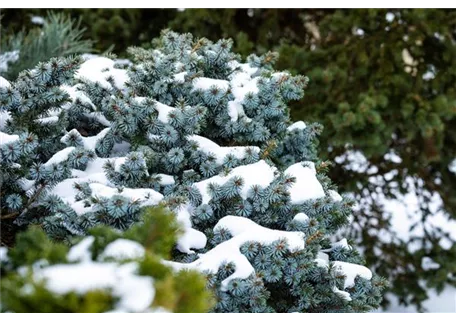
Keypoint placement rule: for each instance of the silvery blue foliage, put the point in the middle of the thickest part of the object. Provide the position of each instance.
(187, 125)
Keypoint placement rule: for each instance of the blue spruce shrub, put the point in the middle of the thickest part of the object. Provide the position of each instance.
(189, 126)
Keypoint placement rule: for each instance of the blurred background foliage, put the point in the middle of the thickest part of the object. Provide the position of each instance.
(382, 82)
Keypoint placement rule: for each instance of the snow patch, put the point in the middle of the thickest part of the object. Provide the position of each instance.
(4, 83)
(334, 195)
(353, 160)
(47, 120)
(345, 295)
(191, 238)
(429, 264)
(148, 197)
(163, 111)
(243, 230)
(389, 17)
(94, 173)
(306, 186)
(299, 125)
(75, 94)
(301, 217)
(166, 179)
(81, 251)
(37, 20)
(3, 254)
(88, 142)
(342, 244)
(60, 156)
(208, 146)
(99, 69)
(259, 173)
(393, 157)
(135, 293)
(206, 83)
(4, 117)
(351, 271)
(180, 77)
(122, 249)
(7, 138)
(452, 166)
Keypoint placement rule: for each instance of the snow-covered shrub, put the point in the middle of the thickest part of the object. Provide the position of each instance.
(105, 271)
(189, 126)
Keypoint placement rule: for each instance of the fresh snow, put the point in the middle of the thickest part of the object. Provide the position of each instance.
(3, 254)
(342, 243)
(206, 83)
(4, 117)
(429, 264)
(208, 146)
(452, 166)
(122, 249)
(306, 186)
(81, 251)
(393, 157)
(100, 68)
(46, 120)
(180, 77)
(75, 94)
(301, 217)
(148, 197)
(389, 17)
(191, 239)
(135, 292)
(235, 110)
(351, 271)
(120, 149)
(334, 195)
(99, 117)
(241, 83)
(94, 173)
(37, 20)
(7, 138)
(60, 156)
(243, 230)
(4, 83)
(163, 111)
(300, 125)
(88, 142)
(166, 179)
(345, 295)
(26, 184)
(353, 160)
(322, 259)
(259, 173)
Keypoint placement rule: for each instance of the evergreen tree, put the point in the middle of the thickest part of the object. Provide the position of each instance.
(382, 85)
(189, 126)
(104, 271)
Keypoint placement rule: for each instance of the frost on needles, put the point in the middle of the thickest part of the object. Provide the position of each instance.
(190, 126)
